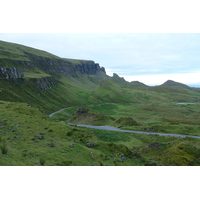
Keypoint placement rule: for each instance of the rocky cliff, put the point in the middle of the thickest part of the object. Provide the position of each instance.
(62, 66)
(11, 73)
(17, 73)
(46, 83)
(45, 70)
(33, 60)
(89, 67)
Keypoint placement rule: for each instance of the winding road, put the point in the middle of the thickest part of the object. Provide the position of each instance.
(111, 128)
(59, 111)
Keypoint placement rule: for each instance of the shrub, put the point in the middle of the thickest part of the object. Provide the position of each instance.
(4, 149)
(112, 136)
(69, 133)
(64, 163)
(118, 148)
(24, 153)
(126, 121)
(42, 161)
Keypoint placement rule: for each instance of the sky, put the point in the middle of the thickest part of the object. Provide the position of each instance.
(151, 58)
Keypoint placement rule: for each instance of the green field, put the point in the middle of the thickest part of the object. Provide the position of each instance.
(29, 137)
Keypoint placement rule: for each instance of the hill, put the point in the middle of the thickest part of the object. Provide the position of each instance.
(33, 63)
(173, 83)
(138, 84)
(45, 80)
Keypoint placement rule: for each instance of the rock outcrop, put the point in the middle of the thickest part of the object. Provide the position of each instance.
(11, 73)
(46, 82)
(89, 67)
(65, 67)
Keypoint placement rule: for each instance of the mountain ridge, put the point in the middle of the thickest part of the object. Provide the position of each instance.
(30, 59)
(49, 82)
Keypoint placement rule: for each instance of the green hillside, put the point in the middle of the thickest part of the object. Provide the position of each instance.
(12, 51)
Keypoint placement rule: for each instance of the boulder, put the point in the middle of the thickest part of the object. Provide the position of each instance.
(53, 144)
(155, 145)
(80, 111)
(90, 144)
(41, 137)
(46, 82)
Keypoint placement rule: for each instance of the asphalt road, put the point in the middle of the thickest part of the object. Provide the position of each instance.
(111, 128)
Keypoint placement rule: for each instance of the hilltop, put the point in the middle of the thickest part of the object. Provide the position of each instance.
(33, 63)
(173, 83)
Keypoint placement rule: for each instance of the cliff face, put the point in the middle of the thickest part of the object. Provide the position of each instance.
(16, 73)
(27, 58)
(64, 67)
(89, 67)
(46, 83)
(11, 73)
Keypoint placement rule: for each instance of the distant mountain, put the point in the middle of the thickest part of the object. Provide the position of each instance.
(138, 84)
(119, 80)
(173, 83)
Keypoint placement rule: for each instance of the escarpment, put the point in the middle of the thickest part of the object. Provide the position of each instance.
(11, 73)
(28, 66)
(16, 60)
(64, 66)
(46, 82)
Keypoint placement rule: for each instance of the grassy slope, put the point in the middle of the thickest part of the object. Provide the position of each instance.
(25, 151)
(21, 125)
(69, 91)
(16, 51)
(65, 94)
(152, 110)
(10, 52)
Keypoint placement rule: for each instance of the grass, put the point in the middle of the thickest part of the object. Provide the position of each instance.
(35, 75)
(66, 145)
(12, 51)
(168, 118)
(4, 149)
(112, 136)
(18, 50)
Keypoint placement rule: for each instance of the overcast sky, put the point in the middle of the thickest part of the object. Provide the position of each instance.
(149, 58)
